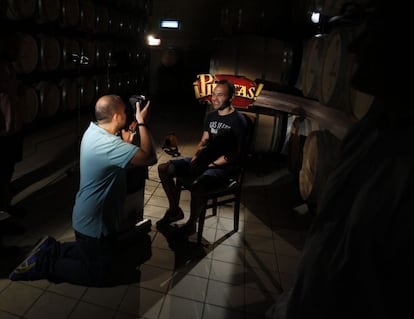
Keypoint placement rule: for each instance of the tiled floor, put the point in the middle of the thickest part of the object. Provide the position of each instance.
(237, 275)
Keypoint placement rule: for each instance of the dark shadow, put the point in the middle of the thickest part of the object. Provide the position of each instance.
(188, 253)
(46, 209)
(185, 251)
(274, 205)
(219, 240)
(63, 159)
(263, 267)
(262, 163)
(134, 250)
(11, 256)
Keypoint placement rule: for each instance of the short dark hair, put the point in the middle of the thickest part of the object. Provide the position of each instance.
(229, 84)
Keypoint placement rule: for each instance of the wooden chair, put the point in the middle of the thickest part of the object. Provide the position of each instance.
(229, 192)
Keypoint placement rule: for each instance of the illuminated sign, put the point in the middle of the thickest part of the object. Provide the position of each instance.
(170, 24)
(246, 90)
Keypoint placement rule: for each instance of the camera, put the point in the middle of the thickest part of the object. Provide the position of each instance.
(137, 98)
(142, 99)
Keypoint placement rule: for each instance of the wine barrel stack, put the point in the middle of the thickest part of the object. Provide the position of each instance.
(326, 71)
(327, 65)
(73, 51)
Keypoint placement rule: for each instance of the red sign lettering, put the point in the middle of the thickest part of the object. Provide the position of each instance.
(246, 90)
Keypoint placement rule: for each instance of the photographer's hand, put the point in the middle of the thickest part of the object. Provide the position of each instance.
(128, 135)
(146, 154)
(141, 115)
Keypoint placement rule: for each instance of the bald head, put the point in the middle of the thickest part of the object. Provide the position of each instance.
(107, 106)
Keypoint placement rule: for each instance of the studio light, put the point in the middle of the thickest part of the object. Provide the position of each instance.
(315, 17)
(153, 41)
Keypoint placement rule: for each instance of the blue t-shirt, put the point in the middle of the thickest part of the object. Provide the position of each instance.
(102, 192)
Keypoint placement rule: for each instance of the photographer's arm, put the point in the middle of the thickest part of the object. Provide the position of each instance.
(145, 155)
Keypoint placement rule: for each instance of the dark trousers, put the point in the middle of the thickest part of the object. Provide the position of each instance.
(177, 172)
(94, 262)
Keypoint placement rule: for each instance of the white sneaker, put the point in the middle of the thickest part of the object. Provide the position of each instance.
(4, 215)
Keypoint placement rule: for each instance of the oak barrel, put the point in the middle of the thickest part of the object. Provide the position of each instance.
(320, 154)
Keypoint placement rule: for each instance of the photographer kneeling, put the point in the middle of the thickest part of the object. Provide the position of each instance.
(92, 259)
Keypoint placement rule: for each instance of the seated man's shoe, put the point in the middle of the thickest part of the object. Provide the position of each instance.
(186, 230)
(27, 269)
(171, 217)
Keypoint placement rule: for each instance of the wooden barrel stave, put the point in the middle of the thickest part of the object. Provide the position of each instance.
(320, 153)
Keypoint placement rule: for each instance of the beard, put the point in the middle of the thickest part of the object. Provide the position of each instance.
(224, 106)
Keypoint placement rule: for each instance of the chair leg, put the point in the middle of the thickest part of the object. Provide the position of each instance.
(214, 208)
(236, 214)
(178, 190)
(201, 220)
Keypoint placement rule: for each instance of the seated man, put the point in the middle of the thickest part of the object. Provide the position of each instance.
(104, 155)
(214, 163)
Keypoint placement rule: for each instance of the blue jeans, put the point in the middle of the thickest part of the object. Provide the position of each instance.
(183, 170)
(200, 185)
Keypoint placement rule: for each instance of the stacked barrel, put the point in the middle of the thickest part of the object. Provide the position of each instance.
(327, 64)
(73, 51)
(325, 75)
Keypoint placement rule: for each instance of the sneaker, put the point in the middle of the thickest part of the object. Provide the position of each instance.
(26, 270)
(170, 217)
(4, 215)
(43, 243)
(186, 230)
